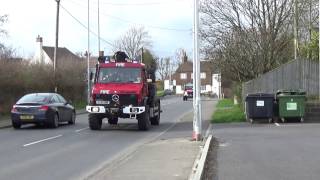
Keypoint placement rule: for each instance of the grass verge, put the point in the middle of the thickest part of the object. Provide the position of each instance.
(226, 112)
(80, 104)
(160, 93)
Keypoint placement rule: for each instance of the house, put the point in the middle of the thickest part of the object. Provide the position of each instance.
(209, 76)
(45, 54)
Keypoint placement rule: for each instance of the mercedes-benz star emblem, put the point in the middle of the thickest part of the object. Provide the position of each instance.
(115, 97)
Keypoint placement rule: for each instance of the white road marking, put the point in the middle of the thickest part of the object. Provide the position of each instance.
(224, 144)
(36, 142)
(277, 124)
(81, 129)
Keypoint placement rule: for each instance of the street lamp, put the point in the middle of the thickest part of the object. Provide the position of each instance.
(88, 58)
(196, 134)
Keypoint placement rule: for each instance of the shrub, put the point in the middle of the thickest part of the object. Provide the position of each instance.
(19, 77)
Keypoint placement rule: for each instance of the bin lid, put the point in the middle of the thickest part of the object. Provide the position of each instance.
(291, 92)
(257, 95)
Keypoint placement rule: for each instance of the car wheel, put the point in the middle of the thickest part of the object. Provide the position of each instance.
(302, 120)
(144, 119)
(73, 118)
(16, 125)
(156, 119)
(95, 122)
(55, 121)
(251, 120)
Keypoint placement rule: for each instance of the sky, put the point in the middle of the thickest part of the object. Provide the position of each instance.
(168, 22)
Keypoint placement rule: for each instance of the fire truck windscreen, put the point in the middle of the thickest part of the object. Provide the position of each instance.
(119, 75)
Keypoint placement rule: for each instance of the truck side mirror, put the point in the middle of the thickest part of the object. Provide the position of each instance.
(91, 76)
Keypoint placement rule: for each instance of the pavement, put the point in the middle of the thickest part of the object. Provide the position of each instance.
(170, 156)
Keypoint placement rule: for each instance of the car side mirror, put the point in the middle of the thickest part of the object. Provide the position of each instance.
(91, 76)
(69, 102)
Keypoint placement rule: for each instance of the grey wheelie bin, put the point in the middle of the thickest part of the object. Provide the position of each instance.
(260, 106)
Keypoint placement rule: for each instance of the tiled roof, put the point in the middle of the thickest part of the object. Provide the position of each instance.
(62, 53)
(206, 66)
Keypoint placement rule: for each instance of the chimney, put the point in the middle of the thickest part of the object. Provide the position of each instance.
(184, 57)
(39, 41)
(101, 53)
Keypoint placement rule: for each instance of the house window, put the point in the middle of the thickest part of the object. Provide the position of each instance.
(183, 76)
(203, 75)
(203, 88)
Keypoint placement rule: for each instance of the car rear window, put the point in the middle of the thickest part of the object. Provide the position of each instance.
(35, 98)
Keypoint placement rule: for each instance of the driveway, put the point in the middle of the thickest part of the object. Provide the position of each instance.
(267, 151)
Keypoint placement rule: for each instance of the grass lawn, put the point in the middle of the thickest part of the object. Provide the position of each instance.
(80, 104)
(160, 93)
(226, 112)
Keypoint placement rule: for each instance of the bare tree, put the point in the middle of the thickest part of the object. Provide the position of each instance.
(246, 38)
(3, 20)
(166, 67)
(7, 53)
(163, 67)
(308, 19)
(133, 41)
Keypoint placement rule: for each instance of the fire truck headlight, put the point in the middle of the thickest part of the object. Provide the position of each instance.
(95, 109)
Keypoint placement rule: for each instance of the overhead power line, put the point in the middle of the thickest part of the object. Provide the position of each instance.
(147, 25)
(113, 3)
(92, 32)
(132, 22)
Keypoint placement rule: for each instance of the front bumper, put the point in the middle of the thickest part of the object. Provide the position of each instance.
(130, 110)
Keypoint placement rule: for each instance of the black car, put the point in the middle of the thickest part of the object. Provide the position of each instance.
(43, 109)
(168, 92)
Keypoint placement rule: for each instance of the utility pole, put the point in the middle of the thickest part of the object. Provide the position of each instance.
(99, 26)
(295, 28)
(142, 55)
(170, 78)
(310, 28)
(88, 57)
(56, 48)
(196, 134)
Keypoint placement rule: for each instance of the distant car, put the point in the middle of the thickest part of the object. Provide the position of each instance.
(168, 92)
(188, 92)
(42, 108)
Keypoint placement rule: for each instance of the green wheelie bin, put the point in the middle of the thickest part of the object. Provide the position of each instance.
(291, 104)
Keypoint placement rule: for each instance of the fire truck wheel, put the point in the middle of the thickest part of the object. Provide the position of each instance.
(156, 119)
(95, 122)
(113, 120)
(144, 119)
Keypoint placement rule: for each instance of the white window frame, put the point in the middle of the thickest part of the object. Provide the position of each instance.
(203, 75)
(183, 75)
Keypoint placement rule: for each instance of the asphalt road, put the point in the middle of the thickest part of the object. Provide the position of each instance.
(74, 151)
(262, 151)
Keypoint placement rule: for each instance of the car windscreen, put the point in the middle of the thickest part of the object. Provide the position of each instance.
(119, 75)
(35, 98)
(188, 87)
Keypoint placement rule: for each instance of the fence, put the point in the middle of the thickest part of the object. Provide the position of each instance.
(296, 74)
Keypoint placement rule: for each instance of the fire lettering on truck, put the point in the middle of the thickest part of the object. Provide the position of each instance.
(119, 64)
(104, 91)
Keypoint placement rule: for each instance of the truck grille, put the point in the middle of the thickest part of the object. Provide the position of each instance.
(123, 100)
